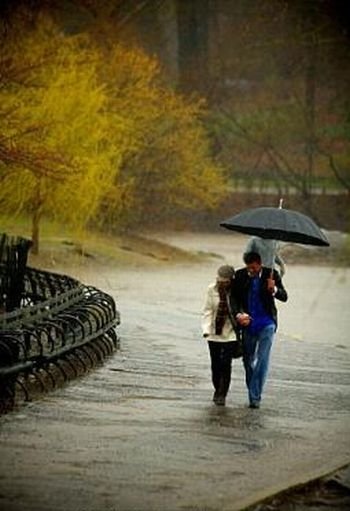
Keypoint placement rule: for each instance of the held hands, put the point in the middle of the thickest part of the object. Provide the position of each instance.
(243, 319)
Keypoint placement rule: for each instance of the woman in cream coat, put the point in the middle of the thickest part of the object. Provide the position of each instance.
(218, 328)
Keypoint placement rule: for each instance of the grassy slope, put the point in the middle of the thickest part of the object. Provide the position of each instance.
(59, 245)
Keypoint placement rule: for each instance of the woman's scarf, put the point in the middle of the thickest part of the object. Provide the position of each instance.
(222, 311)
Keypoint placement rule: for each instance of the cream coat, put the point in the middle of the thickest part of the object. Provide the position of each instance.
(208, 318)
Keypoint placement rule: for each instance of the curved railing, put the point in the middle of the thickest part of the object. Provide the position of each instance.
(61, 324)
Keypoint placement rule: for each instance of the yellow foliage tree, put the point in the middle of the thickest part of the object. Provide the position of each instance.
(56, 155)
(166, 163)
(88, 128)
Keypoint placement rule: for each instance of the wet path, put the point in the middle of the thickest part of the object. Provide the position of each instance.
(141, 433)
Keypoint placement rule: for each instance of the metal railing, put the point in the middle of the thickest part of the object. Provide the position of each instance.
(59, 324)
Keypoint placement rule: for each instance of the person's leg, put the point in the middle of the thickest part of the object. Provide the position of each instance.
(261, 366)
(249, 349)
(226, 367)
(215, 352)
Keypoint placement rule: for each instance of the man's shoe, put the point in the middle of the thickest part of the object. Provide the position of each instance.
(220, 401)
(254, 404)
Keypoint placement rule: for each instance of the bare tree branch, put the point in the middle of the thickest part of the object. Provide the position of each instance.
(333, 165)
(45, 164)
(275, 156)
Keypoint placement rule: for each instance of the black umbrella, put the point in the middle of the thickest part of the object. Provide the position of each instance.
(277, 224)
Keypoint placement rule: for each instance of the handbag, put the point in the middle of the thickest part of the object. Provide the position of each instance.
(237, 350)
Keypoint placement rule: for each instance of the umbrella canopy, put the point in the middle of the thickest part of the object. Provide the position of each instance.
(277, 224)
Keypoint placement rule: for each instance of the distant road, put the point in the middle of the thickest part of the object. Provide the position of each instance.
(284, 192)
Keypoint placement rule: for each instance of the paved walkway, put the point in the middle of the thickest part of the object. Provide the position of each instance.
(141, 432)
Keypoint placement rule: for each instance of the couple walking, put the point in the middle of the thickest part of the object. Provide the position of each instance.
(238, 304)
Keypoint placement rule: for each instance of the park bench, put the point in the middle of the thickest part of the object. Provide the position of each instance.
(48, 322)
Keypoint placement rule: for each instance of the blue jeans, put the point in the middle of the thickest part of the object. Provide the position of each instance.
(256, 355)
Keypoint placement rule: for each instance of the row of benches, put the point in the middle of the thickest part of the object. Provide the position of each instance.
(55, 317)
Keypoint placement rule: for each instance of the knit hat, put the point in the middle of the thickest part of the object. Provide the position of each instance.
(226, 271)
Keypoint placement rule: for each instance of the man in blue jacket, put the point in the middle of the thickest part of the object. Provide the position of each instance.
(254, 293)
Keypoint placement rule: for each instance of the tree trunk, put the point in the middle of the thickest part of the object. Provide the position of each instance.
(193, 28)
(310, 105)
(36, 219)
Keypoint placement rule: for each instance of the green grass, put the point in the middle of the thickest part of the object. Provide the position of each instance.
(21, 226)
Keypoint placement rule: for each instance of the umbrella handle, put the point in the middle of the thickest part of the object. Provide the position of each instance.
(274, 252)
